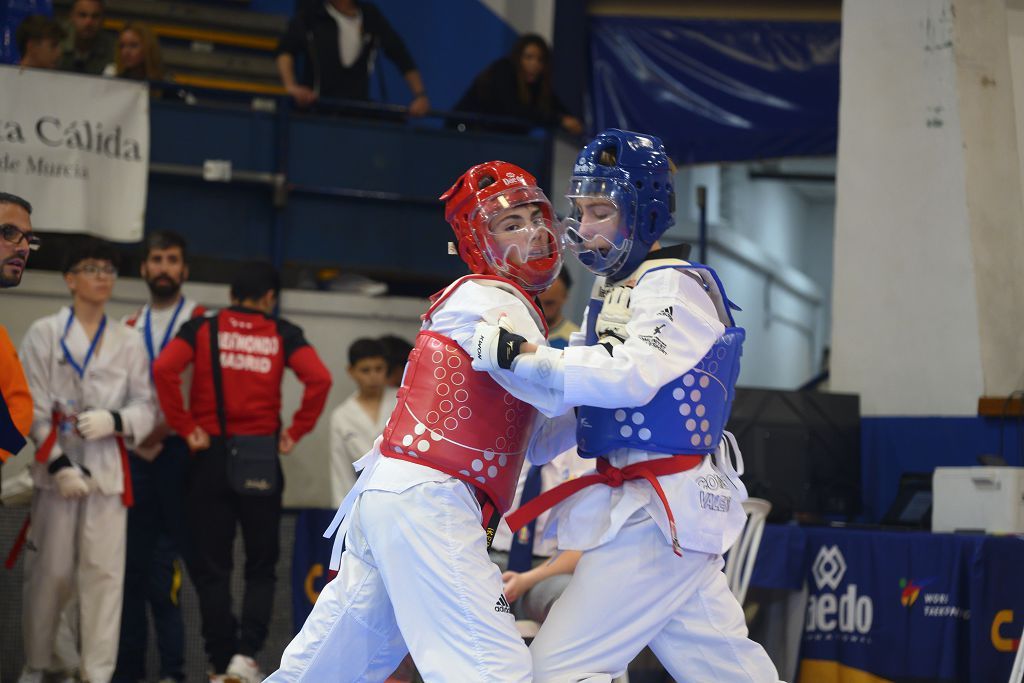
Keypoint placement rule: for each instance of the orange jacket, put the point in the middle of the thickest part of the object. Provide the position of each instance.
(14, 388)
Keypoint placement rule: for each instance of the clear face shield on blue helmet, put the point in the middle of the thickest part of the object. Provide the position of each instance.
(601, 222)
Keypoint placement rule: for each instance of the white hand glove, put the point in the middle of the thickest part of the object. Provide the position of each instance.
(95, 424)
(614, 316)
(71, 482)
(494, 347)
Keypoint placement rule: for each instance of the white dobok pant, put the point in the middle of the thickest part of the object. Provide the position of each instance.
(634, 591)
(415, 577)
(76, 547)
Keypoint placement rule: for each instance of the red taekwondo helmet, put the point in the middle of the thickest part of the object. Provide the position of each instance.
(504, 225)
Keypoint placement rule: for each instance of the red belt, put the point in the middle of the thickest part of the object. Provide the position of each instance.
(43, 452)
(45, 448)
(19, 543)
(614, 477)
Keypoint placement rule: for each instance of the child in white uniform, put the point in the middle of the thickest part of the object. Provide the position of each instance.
(89, 377)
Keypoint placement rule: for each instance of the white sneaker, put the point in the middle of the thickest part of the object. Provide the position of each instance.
(30, 676)
(243, 669)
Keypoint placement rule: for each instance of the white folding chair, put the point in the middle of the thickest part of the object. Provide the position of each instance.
(1017, 674)
(739, 565)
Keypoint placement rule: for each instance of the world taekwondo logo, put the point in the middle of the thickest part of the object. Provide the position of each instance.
(831, 615)
(829, 567)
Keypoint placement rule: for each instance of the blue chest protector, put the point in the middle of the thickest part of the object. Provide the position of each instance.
(688, 414)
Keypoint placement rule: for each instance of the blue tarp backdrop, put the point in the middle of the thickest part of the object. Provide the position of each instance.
(891, 446)
(12, 13)
(719, 90)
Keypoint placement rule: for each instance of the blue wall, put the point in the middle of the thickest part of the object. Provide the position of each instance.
(891, 446)
(12, 13)
(273, 6)
(451, 42)
(363, 193)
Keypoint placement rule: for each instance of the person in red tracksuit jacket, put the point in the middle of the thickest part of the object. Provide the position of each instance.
(255, 348)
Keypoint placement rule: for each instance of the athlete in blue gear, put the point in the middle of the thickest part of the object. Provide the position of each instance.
(653, 372)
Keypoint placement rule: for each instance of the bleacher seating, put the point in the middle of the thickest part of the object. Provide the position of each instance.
(206, 46)
(288, 194)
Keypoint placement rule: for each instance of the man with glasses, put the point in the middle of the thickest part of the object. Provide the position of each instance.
(16, 238)
(92, 397)
(16, 241)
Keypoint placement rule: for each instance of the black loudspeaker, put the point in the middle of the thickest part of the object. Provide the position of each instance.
(801, 451)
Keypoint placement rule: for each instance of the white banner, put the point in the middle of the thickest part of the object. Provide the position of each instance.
(77, 148)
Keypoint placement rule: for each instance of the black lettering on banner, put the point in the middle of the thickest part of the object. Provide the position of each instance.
(9, 164)
(48, 130)
(82, 136)
(11, 132)
(41, 166)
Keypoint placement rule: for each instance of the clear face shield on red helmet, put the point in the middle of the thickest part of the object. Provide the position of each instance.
(600, 225)
(519, 237)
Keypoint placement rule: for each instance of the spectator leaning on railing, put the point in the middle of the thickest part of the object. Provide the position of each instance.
(518, 85)
(340, 40)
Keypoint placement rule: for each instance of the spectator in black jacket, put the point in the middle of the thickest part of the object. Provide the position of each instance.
(340, 40)
(518, 85)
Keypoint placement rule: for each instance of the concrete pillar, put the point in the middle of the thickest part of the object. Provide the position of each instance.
(928, 298)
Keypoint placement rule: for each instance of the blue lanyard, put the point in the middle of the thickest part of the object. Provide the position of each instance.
(147, 329)
(80, 369)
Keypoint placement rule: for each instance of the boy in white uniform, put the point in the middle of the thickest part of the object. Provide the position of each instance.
(415, 575)
(655, 384)
(89, 377)
(361, 417)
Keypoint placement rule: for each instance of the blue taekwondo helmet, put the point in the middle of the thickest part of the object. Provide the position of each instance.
(621, 199)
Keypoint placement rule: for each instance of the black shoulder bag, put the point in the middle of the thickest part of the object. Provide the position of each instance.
(252, 464)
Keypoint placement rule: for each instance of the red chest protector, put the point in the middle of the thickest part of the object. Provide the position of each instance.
(458, 420)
